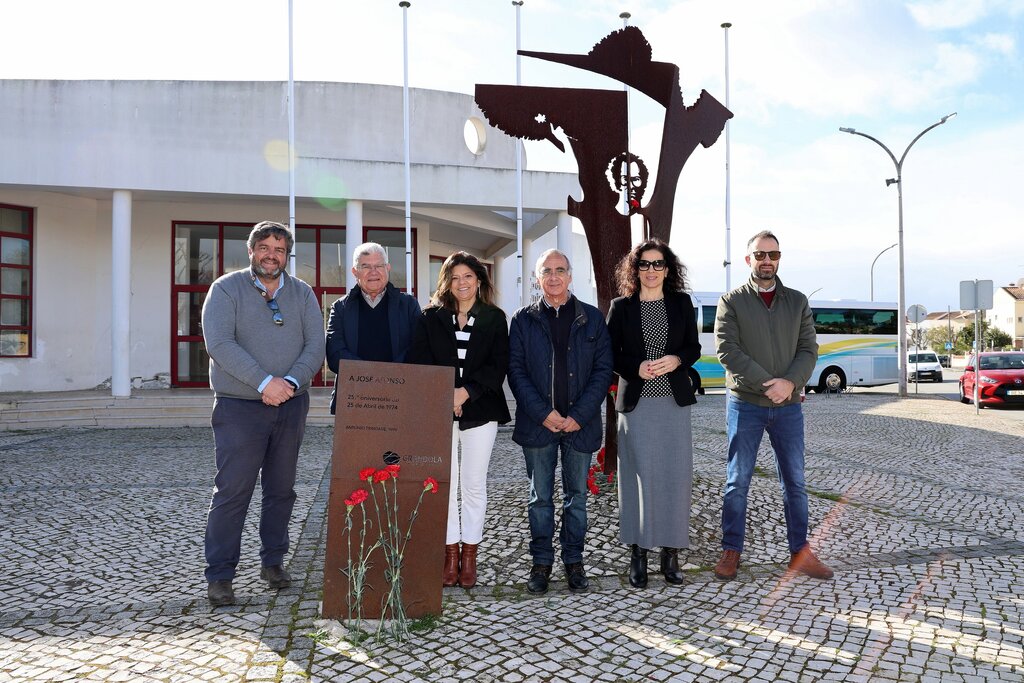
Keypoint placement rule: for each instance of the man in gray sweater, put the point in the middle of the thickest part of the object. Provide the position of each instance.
(766, 342)
(264, 332)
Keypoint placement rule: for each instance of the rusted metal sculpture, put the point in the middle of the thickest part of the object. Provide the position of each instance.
(596, 123)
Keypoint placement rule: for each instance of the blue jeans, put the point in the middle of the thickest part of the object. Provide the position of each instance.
(254, 441)
(540, 468)
(746, 423)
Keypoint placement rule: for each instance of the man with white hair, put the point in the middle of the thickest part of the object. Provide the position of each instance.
(375, 320)
(560, 367)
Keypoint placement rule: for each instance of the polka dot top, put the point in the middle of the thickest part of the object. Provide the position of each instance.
(654, 321)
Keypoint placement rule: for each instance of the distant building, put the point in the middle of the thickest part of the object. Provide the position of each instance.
(121, 201)
(1007, 312)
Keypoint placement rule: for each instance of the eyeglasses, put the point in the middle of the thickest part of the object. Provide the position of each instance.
(272, 305)
(560, 272)
(647, 265)
(760, 255)
(367, 267)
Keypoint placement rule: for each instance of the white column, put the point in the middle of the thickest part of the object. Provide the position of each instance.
(121, 295)
(563, 234)
(353, 237)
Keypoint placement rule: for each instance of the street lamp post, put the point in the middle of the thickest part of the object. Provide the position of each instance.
(902, 296)
(873, 268)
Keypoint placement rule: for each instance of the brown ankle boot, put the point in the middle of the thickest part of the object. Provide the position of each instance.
(727, 565)
(467, 574)
(450, 576)
(806, 563)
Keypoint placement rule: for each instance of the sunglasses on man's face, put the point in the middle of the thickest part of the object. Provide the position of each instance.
(761, 255)
(272, 305)
(647, 265)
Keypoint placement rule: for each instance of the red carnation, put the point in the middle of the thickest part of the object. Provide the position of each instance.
(366, 473)
(393, 470)
(431, 484)
(381, 475)
(357, 497)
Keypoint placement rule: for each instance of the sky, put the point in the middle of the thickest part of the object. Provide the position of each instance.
(798, 71)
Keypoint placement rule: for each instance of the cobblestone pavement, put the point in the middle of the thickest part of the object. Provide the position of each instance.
(917, 504)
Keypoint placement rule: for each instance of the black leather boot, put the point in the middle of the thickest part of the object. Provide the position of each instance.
(670, 565)
(637, 566)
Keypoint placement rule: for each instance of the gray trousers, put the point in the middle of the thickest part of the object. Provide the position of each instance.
(253, 440)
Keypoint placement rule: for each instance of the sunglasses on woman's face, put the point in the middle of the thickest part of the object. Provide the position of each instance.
(647, 265)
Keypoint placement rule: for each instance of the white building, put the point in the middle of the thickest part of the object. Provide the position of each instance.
(1008, 312)
(121, 201)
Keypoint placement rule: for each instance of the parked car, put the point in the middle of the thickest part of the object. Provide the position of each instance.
(1000, 378)
(944, 360)
(922, 366)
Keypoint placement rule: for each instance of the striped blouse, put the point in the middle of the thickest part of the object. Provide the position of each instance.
(462, 339)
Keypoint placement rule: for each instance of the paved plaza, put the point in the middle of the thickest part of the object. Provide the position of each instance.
(917, 504)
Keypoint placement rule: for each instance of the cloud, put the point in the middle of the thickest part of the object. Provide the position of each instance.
(946, 14)
(1004, 44)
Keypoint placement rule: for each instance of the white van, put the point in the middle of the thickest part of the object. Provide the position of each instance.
(922, 366)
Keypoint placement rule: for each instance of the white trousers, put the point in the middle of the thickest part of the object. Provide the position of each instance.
(469, 477)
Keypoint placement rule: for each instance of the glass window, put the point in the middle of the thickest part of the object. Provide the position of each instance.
(14, 250)
(16, 234)
(305, 255)
(195, 254)
(393, 240)
(14, 281)
(708, 321)
(236, 247)
(16, 220)
(334, 265)
(435, 272)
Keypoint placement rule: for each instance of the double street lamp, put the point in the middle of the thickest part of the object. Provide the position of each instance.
(901, 314)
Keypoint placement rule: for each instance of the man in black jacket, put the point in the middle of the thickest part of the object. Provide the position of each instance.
(375, 320)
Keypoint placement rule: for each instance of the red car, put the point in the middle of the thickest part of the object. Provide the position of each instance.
(1001, 379)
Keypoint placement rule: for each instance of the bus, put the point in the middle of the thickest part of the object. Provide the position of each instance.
(857, 344)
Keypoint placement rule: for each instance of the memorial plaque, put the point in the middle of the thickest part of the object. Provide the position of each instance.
(390, 413)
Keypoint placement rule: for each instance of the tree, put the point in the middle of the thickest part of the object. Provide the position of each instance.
(936, 338)
(991, 337)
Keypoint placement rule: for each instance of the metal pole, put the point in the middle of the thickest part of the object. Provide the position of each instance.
(873, 269)
(902, 299)
(949, 335)
(520, 275)
(727, 263)
(291, 139)
(405, 132)
(977, 351)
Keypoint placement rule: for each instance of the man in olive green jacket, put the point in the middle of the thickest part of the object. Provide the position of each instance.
(766, 342)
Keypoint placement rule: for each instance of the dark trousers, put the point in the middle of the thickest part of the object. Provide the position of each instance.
(253, 440)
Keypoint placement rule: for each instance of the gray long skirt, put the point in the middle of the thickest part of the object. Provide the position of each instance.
(655, 474)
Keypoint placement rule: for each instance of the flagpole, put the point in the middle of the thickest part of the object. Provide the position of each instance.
(405, 130)
(728, 218)
(291, 137)
(520, 275)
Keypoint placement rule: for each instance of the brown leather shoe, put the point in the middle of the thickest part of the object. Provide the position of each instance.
(806, 563)
(467, 574)
(450, 575)
(727, 565)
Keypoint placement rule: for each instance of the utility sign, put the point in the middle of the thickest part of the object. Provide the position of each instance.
(976, 295)
(916, 313)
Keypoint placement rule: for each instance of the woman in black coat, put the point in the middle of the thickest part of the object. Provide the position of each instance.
(462, 328)
(654, 340)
